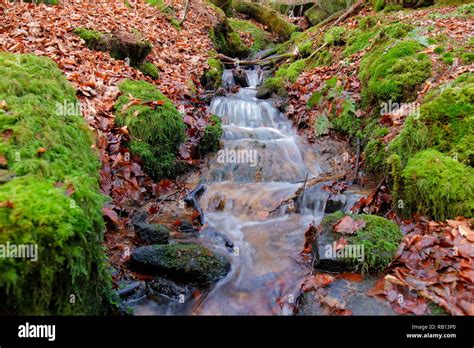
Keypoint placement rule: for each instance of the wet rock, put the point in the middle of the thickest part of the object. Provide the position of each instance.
(152, 233)
(333, 204)
(127, 289)
(187, 227)
(263, 92)
(347, 294)
(240, 77)
(165, 287)
(185, 262)
(138, 217)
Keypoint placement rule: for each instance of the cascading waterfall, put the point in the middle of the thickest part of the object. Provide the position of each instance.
(266, 271)
(262, 162)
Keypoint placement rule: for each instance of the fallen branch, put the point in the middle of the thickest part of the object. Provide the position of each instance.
(266, 61)
(350, 11)
(186, 10)
(306, 184)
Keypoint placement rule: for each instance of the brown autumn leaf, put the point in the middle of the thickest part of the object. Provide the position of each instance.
(3, 161)
(111, 215)
(315, 281)
(7, 204)
(347, 225)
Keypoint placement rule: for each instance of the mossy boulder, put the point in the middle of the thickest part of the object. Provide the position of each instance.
(261, 38)
(445, 122)
(156, 128)
(227, 41)
(149, 69)
(212, 77)
(182, 262)
(224, 5)
(211, 137)
(51, 197)
(152, 233)
(438, 186)
(286, 73)
(371, 248)
(393, 71)
(382, 4)
(324, 8)
(267, 16)
(121, 45)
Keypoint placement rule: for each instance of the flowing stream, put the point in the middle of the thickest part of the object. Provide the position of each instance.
(262, 162)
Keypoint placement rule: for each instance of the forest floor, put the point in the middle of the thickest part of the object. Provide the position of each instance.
(435, 260)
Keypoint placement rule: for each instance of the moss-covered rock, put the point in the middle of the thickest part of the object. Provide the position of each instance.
(324, 8)
(149, 69)
(156, 128)
(393, 71)
(183, 262)
(267, 16)
(224, 5)
(261, 39)
(212, 77)
(438, 186)
(120, 45)
(382, 4)
(334, 36)
(51, 197)
(227, 41)
(152, 233)
(285, 74)
(445, 122)
(210, 140)
(377, 240)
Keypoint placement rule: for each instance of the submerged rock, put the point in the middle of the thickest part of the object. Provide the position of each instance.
(240, 77)
(186, 262)
(263, 92)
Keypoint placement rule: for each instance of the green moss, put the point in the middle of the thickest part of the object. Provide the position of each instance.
(47, 2)
(361, 38)
(210, 140)
(445, 123)
(267, 16)
(156, 131)
(261, 39)
(375, 156)
(54, 195)
(393, 71)
(448, 58)
(227, 41)
(334, 36)
(224, 5)
(212, 77)
(149, 69)
(158, 3)
(438, 186)
(132, 48)
(379, 239)
(286, 73)
(92, 37)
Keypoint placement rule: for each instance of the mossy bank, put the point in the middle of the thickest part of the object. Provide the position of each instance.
(49, 195)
